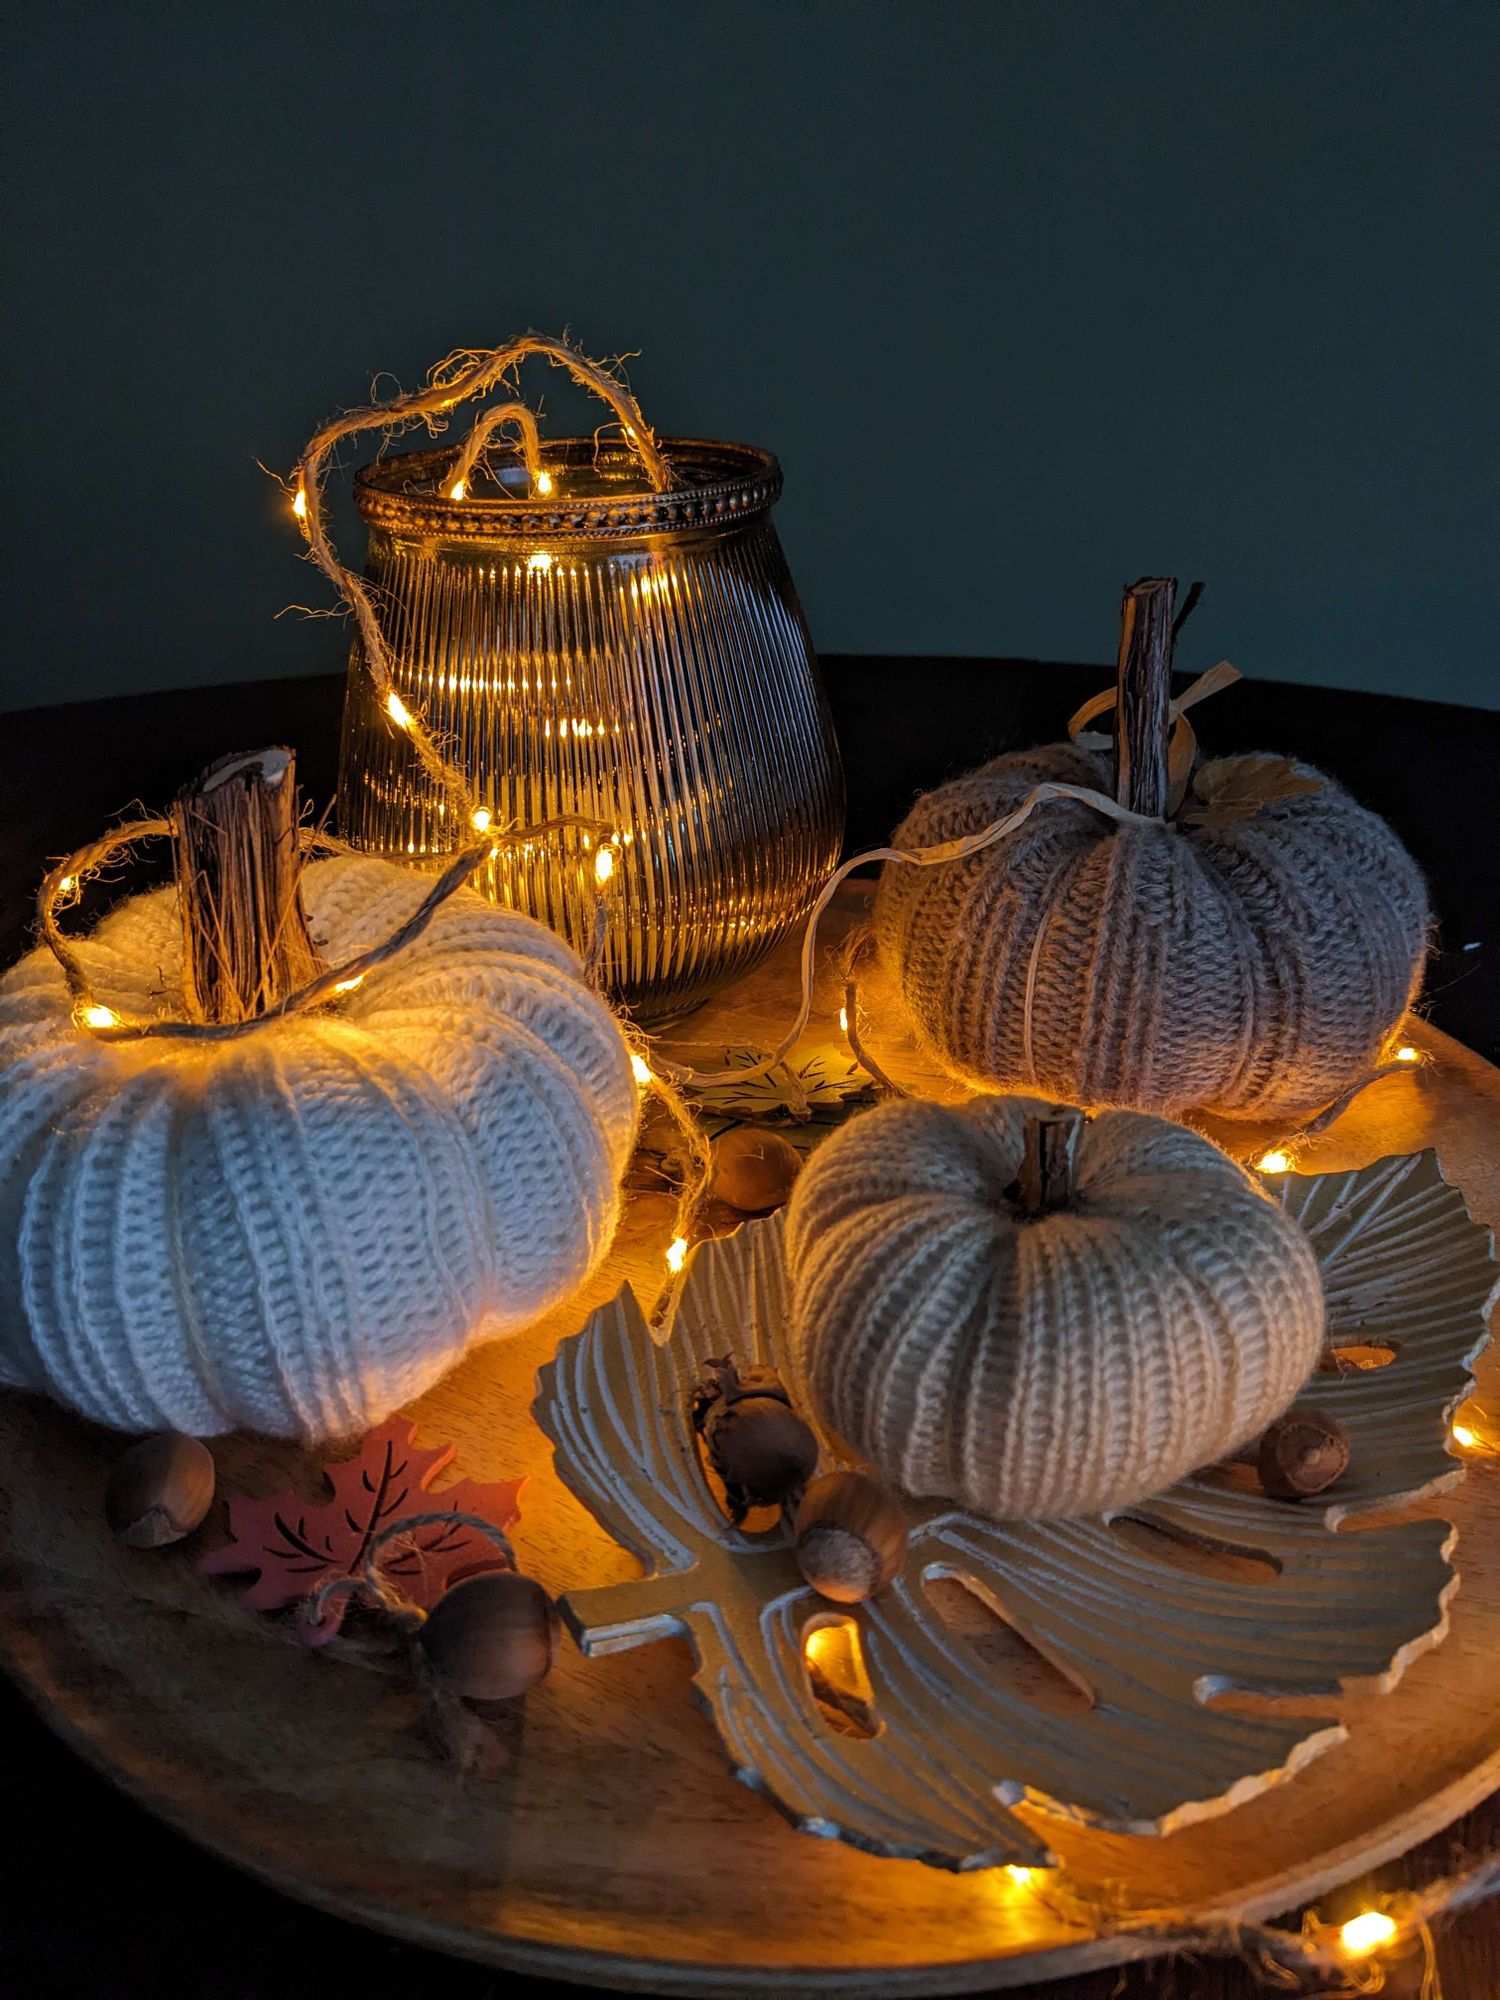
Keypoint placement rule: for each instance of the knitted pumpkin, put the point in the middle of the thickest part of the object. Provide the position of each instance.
(1032, 1315)
(297, 1229)
(1246, 944)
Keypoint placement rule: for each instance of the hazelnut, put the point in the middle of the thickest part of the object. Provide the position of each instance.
(492, 1636)
(851, 1537)
(159, 1490)
(1301, 1454)
(754, 1169)
(761, 1449)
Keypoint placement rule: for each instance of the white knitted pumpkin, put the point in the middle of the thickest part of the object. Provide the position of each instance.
(1063, 1363)
(298, 1230)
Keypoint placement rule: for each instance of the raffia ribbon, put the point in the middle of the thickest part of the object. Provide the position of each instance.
(1182, 746)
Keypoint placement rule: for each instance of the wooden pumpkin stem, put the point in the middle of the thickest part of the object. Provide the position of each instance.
(1144, 695)
(245, 941)
(1046, 1177)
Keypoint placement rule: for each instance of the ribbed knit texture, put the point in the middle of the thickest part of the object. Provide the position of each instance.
(298, 1231)
(1254, 969)
(1064, 1364)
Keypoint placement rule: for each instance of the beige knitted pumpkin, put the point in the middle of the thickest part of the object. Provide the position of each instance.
(1154, 1312)
(297, 1230)
(1247, 945)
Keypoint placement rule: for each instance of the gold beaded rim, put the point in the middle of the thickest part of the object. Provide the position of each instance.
(719, 485)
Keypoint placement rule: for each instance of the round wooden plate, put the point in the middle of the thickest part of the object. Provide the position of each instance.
(609, 1844)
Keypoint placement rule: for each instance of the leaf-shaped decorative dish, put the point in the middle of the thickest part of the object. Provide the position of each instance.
(1150, 1619)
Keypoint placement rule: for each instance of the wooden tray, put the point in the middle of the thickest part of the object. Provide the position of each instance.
(615, 1848)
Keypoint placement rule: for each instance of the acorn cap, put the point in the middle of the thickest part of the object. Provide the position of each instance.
(159, 1490)
(492, 1636)
(1302, 1453)
(761, 1449)
(851, 1537)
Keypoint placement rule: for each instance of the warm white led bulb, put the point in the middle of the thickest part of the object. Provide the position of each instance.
(1274, 1162)
(398, 711)
(639, 1069)
(677, 1253)
(1406, 1053)
(299, 503)
(1367, 1932)
(457, 490)
(539, 561)
(604, 865)
(93, 1014)
(480, 819)
(544, 483)
(348, 985)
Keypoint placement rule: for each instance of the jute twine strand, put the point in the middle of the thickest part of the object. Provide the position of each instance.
(1216, 678)
(462, 376)
(98, 854)
(458, 1733)
(484, 428)
(367, 1586)
(1289, 1958)
(916, 857)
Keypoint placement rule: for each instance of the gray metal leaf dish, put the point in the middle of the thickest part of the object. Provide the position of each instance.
(1142, 1621)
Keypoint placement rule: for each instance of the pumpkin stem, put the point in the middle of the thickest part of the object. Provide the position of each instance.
(245, 940)
(1144, 695)
(1051, 1144)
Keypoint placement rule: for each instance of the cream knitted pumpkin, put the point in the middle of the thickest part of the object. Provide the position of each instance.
(298, 1230)
(1057, 1363)
(1246, 947)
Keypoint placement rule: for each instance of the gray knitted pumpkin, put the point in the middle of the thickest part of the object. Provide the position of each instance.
(1247, 946)
(1057, 1348)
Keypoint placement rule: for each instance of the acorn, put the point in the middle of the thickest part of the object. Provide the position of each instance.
(851, 1537)
(492, 1636)
(1302, 1453)
(754, 1169)
(761, 1449)
(159, 1490)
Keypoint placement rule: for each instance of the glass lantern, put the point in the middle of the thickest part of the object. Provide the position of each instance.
(636, 659)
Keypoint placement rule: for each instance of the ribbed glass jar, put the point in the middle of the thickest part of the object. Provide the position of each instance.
(637, 659)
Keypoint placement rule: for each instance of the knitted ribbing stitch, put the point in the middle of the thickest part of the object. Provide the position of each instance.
(1052, 1365)
(298, 1231)
(1253, 968)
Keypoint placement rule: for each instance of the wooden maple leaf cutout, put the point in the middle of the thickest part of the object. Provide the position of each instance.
(1234, 788)
(295, 1547)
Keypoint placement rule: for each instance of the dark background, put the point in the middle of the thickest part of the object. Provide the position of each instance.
(1032, 296)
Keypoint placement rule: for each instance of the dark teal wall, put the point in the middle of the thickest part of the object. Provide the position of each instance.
(1030, 299)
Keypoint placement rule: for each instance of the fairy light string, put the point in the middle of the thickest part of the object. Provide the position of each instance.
(96, 1017)
(465, 375)
(468, 375)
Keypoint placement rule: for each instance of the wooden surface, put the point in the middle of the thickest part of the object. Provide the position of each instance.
(612, 1846)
